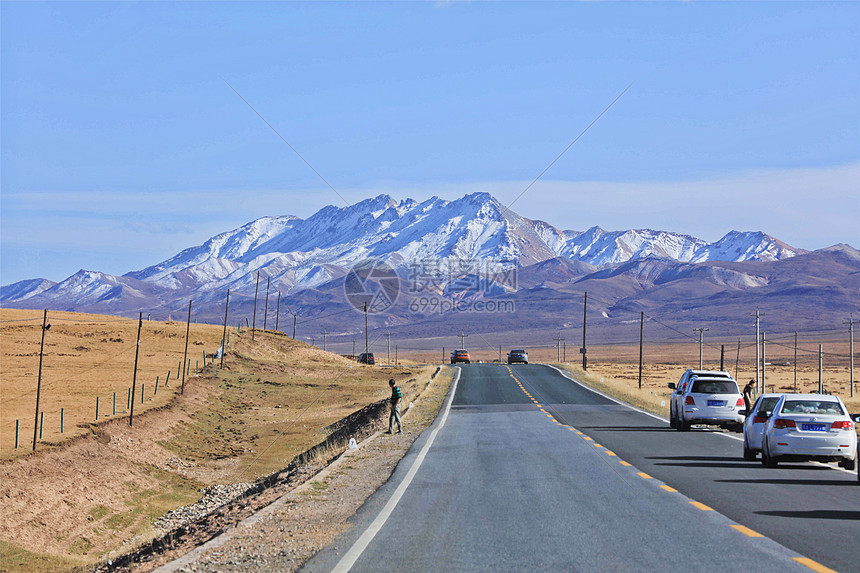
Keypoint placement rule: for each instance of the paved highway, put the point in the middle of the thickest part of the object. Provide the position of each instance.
(528, 470)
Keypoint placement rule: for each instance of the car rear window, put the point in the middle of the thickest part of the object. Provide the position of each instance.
(767, 404)
(715, 387)
(812, 407)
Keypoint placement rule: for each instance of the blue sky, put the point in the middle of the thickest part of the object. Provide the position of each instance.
(122, 144)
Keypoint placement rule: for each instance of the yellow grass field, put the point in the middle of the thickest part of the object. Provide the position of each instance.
(87, 356)
(97, 489)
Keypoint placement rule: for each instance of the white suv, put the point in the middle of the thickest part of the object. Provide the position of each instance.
(676, 400)
(713, 400)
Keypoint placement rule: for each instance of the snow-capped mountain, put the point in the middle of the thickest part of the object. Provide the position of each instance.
(296, 254)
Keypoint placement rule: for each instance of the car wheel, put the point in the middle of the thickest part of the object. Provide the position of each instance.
(848, 464)
(749, 455)
(683, 425)
(766, 459)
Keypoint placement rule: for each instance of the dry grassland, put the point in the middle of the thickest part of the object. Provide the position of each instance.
(96, 490)
(87, 356)
(616, 372)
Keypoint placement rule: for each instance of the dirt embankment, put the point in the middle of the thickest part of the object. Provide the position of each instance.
(97, 496)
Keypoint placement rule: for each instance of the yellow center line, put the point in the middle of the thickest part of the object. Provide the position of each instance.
(747, 531)
(549, 415)
(623, 463)
(701, 506)
(578, 433)
(609, 453)
(815, 566)
(643, 475)
(669, 489)
(596, 445)
(587, 438)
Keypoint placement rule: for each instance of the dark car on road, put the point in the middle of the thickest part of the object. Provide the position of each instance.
(460, 356)
(366, 358)
(518, 355)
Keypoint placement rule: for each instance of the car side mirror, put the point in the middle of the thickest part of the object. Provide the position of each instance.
(856, 417)
(671, 385)
(743, 412)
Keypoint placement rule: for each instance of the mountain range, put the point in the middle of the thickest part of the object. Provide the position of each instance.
(307, 260)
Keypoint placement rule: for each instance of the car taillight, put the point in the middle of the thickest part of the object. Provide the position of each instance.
(843, 425)
(740, 402)
(689, 401)
(782, 423)
(759, 420)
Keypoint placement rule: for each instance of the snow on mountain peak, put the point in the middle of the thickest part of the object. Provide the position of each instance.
(299, 253)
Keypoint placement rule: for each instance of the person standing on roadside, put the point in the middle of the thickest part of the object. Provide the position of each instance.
(748, 394)
(396, 398)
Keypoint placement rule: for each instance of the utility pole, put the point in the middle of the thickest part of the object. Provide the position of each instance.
(641, 343)
(821, 369)
(757, 355)
(224, 335)
(366, 339)
(278, 311)
(558, 340)
(325, 334)
(185, 356)
(722, 357)
(701, 332)
(134, 377)
(256, 289)
(500, 353)
(738, 358)
(763, 363)
(45, 326)
(388, 334)
(463, 340)
(851, 323)
(353, 348)
(583, 349)
(795, 362)
(266, 307)
(564, 351)
(294, 325)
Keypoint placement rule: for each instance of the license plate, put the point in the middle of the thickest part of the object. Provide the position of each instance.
(716, 403)
(813, 427)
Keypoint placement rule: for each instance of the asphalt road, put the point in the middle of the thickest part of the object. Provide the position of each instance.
(532, 471)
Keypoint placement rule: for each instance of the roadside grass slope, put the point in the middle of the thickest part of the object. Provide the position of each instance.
(96, 494)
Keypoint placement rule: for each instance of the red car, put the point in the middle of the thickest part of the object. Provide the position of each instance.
(460, 356)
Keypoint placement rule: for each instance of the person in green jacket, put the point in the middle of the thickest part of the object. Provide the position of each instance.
(396, 398)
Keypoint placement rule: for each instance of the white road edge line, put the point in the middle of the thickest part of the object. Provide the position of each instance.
(351, 556)
(661, 418)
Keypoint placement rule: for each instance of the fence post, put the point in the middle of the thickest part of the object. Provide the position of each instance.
(97, 407)
(17, 427)
(167, 381)
(142, 386)
(41, 423)
(156, 386)
(128, 406)
(63, 419)
(196, 367)
(114, 403)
